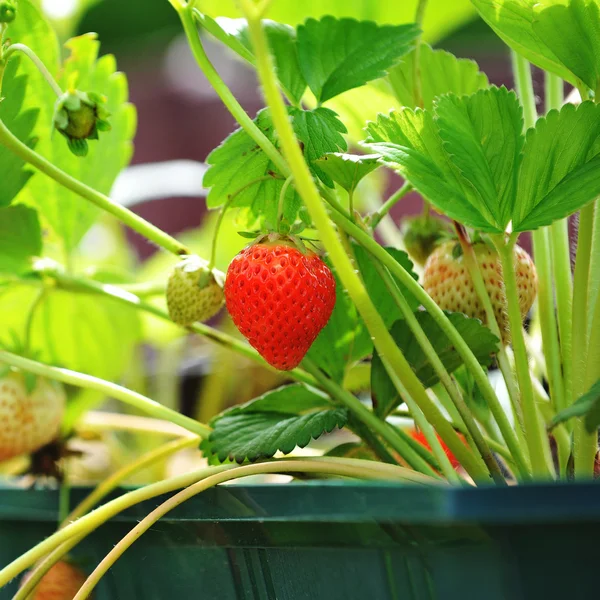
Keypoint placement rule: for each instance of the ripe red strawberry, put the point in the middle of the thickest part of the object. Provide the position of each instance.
(61, 582)
(419, 436)
(279, 298)
(28, 420)
(447, 280)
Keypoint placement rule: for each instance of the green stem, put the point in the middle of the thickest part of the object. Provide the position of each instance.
(186, 15)
(281, 202)
(108, 485)
(81, 285)
(535, 435)
(462, 348)
(154, 234)
(473, 431)
(363, 414)
(106, 387)
(30, 316)
(524, 84)
(224, 209)
(584, 444)
(474, 269)
(369, 438)
(338, 467)
(399, 367)
(389, 203)
(41, 67)
(547, 315)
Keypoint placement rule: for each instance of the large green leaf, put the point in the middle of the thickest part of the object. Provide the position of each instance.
(483, 135)
(336, 55)
(560, 172)
(441, 16)
(238, 166)
(282, 41)
(480, 339)
(587, 406)
(84, 333)
(68, 214)
(20, 238)
(442, 73)
(255, 435)
(21, 122)
(409, 142)
(560, 36)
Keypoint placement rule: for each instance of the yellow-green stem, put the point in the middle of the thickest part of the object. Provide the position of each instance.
(337, 467)
(143, 227)
(112, 390)
(400, 369)
(35, 59)
(535, 434)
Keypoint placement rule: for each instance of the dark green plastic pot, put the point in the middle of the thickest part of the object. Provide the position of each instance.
(339, 541)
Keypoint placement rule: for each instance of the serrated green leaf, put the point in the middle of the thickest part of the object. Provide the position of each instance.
(443, 73)
(441, 16)
(587, 406)
(296, 398)
(409, 142)
(20, 238)
(378, 292)
(69, 215)
(320, 131)
(255, 435)
(556, 35)
(348, 169)
(21, 122)
(336, 55)
(282, 41)
(483, 135)
(480, 339)
(84, 333)
(238, 162)
(560, 172)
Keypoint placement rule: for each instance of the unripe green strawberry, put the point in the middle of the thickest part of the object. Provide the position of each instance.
(421, 236)
(193, 292)
(446, 279)
(61, 582)
(280, 298)
(29, 419)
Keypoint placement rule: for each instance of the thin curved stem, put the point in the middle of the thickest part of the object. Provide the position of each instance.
(186, 14)
(462, 348)
(385, 208)
(143, 227)
(108, 485)
(41, 67)
(338, 467)
(280, 204)
(106, 387)
(535, 435)
(30, 316)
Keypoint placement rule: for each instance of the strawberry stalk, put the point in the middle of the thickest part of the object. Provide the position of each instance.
(399, 368)
(561, 266)
(112, 390)
(461, 346)
(474, 435)
(35, 59)
(341, 467)
(385, 208)
(537, 440)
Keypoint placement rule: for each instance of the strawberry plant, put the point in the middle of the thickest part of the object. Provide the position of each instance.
(353, 331)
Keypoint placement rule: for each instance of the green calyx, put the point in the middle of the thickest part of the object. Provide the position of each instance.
(8, 11)
(422, 234)
(79, 116)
